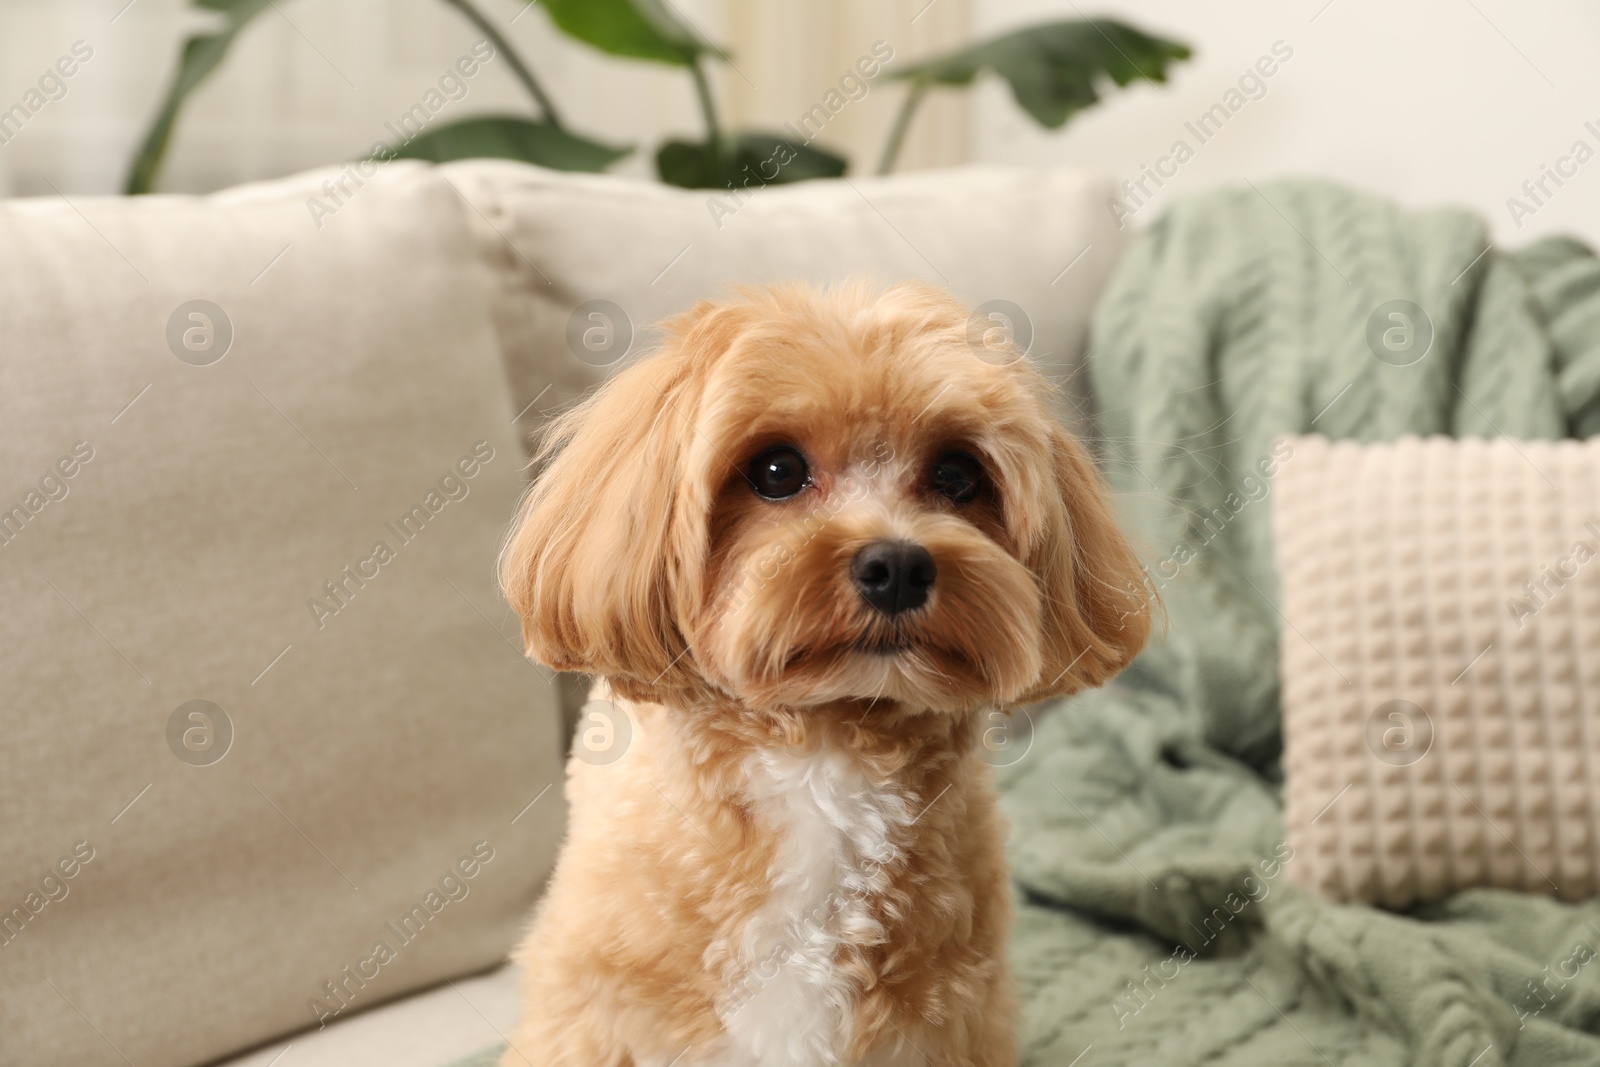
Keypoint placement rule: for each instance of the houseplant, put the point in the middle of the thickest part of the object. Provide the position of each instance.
(1053, 70)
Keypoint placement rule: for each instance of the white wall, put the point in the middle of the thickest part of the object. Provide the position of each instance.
(1427, 100)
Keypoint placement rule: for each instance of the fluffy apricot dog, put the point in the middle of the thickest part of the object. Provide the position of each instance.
(802, 547)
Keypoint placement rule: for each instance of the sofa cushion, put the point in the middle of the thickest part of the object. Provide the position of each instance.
(1440, 663)
(588, 264)
(273, 753)
(461, 1022)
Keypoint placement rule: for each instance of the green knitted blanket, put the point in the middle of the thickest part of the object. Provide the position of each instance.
(1155, 924)
(1158, 925)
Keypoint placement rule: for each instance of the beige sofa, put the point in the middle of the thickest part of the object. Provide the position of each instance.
(273, 755)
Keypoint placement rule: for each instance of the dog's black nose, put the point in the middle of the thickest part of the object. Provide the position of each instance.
(893, 576)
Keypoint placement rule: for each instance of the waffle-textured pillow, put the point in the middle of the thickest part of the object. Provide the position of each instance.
(1441, 666)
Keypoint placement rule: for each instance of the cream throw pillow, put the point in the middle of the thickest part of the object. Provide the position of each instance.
(585, 265)
(1441, 666)
(1030, 248)
(242, 746)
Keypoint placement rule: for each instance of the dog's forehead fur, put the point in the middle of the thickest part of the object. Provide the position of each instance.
(850, 375)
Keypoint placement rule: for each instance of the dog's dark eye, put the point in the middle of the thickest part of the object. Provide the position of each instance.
(957, 477)
(779, 472)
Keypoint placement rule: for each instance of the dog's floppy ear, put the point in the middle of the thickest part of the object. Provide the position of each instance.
(1097, 604)
(593, 560)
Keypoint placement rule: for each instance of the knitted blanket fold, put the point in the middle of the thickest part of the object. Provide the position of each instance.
(1156, 922)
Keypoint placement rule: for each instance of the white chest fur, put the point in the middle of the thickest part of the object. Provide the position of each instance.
(787, 1003)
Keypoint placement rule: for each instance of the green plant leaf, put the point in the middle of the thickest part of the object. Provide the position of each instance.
(1052, 68)
(201, 56)
(511, 137)
(752, 159)
(641, 29)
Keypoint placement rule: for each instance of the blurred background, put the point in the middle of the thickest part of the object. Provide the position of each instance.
(1430, 101)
